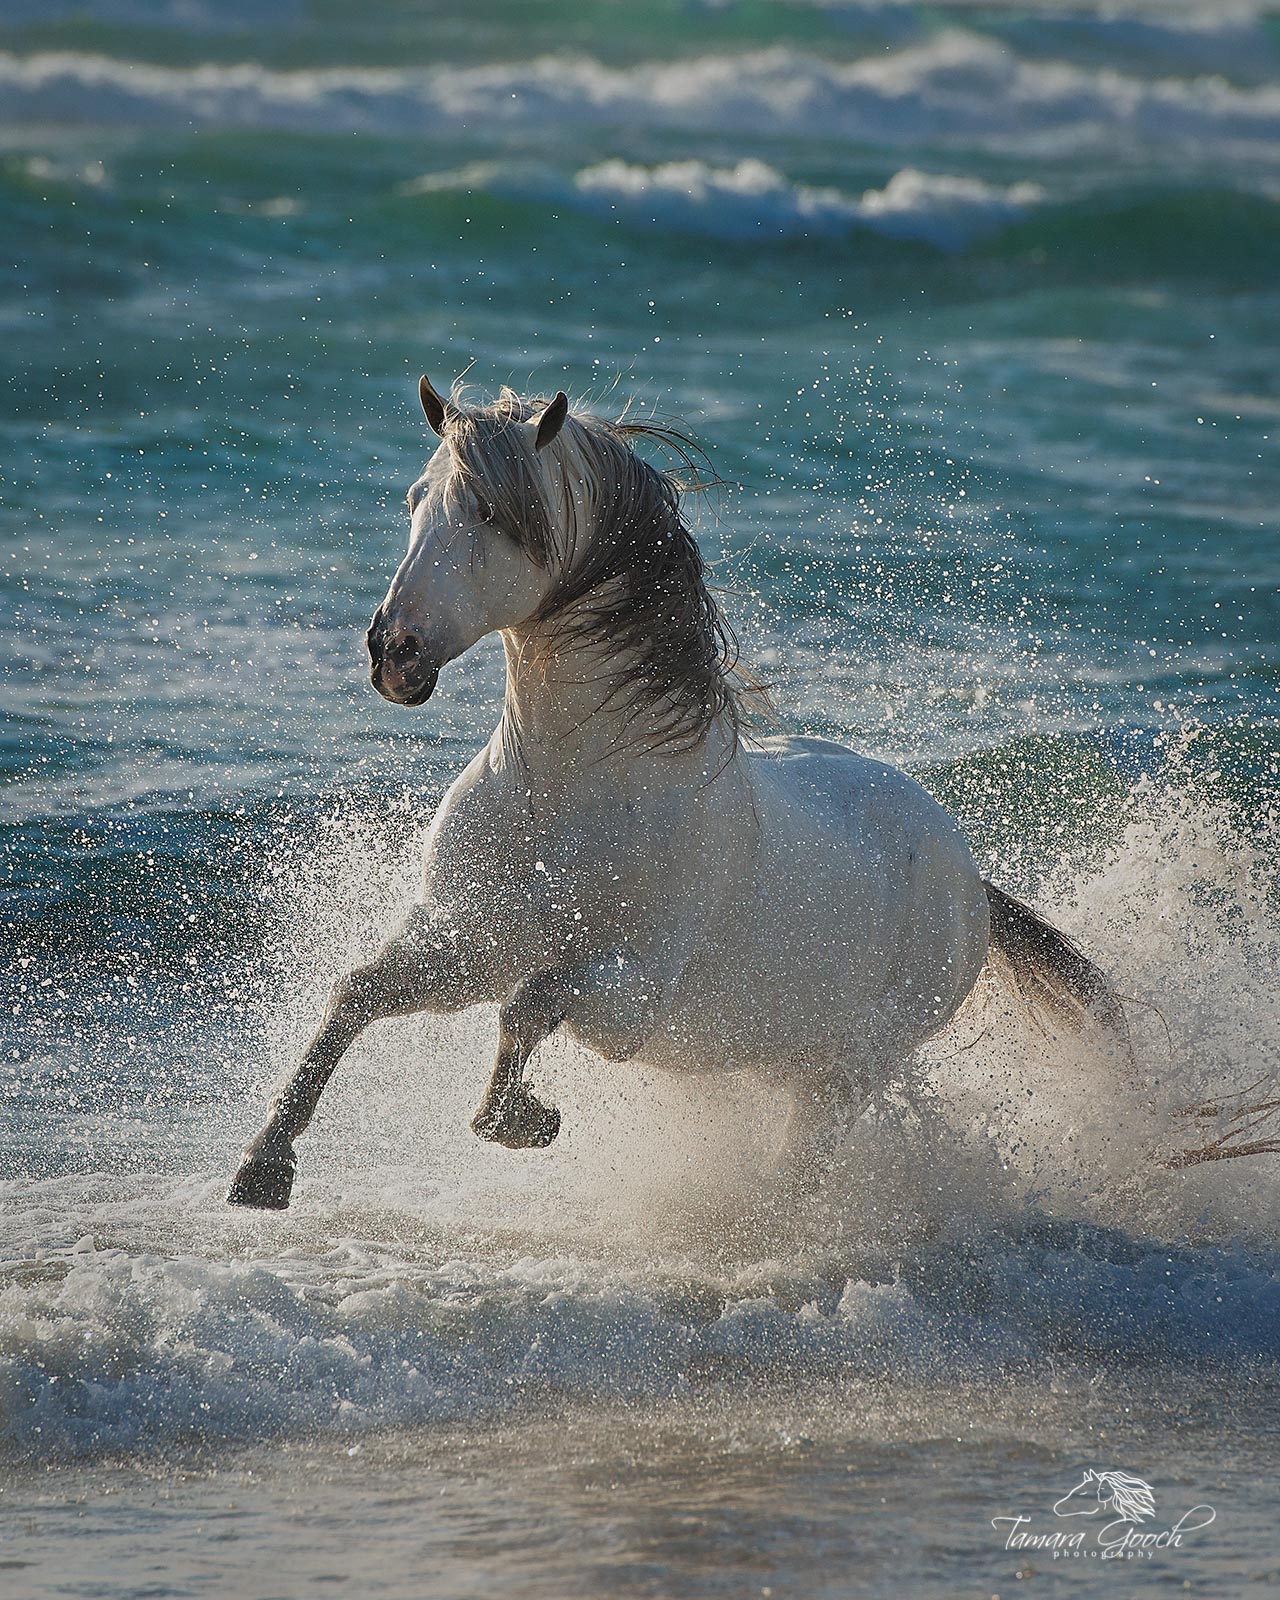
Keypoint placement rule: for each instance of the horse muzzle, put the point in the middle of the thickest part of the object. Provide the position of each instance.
(405, 691)
(401, 666)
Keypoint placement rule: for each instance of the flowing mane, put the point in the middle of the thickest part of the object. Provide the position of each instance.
(629, 577)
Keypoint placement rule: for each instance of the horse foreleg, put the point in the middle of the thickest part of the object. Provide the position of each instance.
(612, 1004)
(418, 970)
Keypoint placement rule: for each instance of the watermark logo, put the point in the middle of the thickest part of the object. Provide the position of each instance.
(1124, 1526)
(1132, 1499)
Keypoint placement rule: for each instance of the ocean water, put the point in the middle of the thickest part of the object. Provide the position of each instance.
(977, 310)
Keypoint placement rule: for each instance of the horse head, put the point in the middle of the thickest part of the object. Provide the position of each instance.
(480, 542)
(548, 527)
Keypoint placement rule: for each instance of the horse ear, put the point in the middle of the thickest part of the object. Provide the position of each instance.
(432, 405)
(551, 421)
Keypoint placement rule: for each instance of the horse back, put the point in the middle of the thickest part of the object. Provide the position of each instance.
(861, 914)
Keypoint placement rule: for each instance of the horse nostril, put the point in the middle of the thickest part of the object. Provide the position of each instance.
(406, 651)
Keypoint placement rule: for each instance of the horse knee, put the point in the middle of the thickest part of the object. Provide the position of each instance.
(362, 994)
(350, 993)
(342, 990)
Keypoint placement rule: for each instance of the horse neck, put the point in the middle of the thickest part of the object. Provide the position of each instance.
(554, 720)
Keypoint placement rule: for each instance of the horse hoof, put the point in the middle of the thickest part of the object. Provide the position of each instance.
(525, 1124)
(263, 1185)
(540, 1128)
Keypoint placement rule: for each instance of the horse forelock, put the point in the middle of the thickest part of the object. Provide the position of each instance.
(492, 458)
(628, 579)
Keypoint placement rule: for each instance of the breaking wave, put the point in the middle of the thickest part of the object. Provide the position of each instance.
(752, 200)
(955, 86)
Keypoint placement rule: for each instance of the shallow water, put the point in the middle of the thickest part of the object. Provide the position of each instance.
(975, 308)
(847, 1491)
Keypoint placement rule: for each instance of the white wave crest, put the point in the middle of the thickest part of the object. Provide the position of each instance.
(943, 209)
(956, 86)
(753, 200)
(744, 201)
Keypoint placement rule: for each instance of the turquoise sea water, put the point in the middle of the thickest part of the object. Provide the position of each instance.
(977, 310)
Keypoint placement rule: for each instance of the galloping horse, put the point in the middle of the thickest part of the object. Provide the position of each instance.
(623, 859)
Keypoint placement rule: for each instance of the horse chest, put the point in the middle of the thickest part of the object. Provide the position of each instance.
(528, 886)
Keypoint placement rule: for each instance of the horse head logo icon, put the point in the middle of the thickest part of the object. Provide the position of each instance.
(1128, 1498)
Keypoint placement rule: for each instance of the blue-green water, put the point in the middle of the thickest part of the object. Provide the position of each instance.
(977, 310)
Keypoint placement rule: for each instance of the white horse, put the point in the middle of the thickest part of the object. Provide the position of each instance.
(621, 859)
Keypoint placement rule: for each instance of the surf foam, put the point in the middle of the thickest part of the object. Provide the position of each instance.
(752, 199)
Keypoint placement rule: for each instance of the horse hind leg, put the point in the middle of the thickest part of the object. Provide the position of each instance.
(825, 1105)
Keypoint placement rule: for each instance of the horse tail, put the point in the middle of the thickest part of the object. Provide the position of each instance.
(1051, 971)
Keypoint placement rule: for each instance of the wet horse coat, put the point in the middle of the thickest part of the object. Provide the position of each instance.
(620, 859)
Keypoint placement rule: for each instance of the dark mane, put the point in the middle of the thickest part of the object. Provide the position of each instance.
(631, 578)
